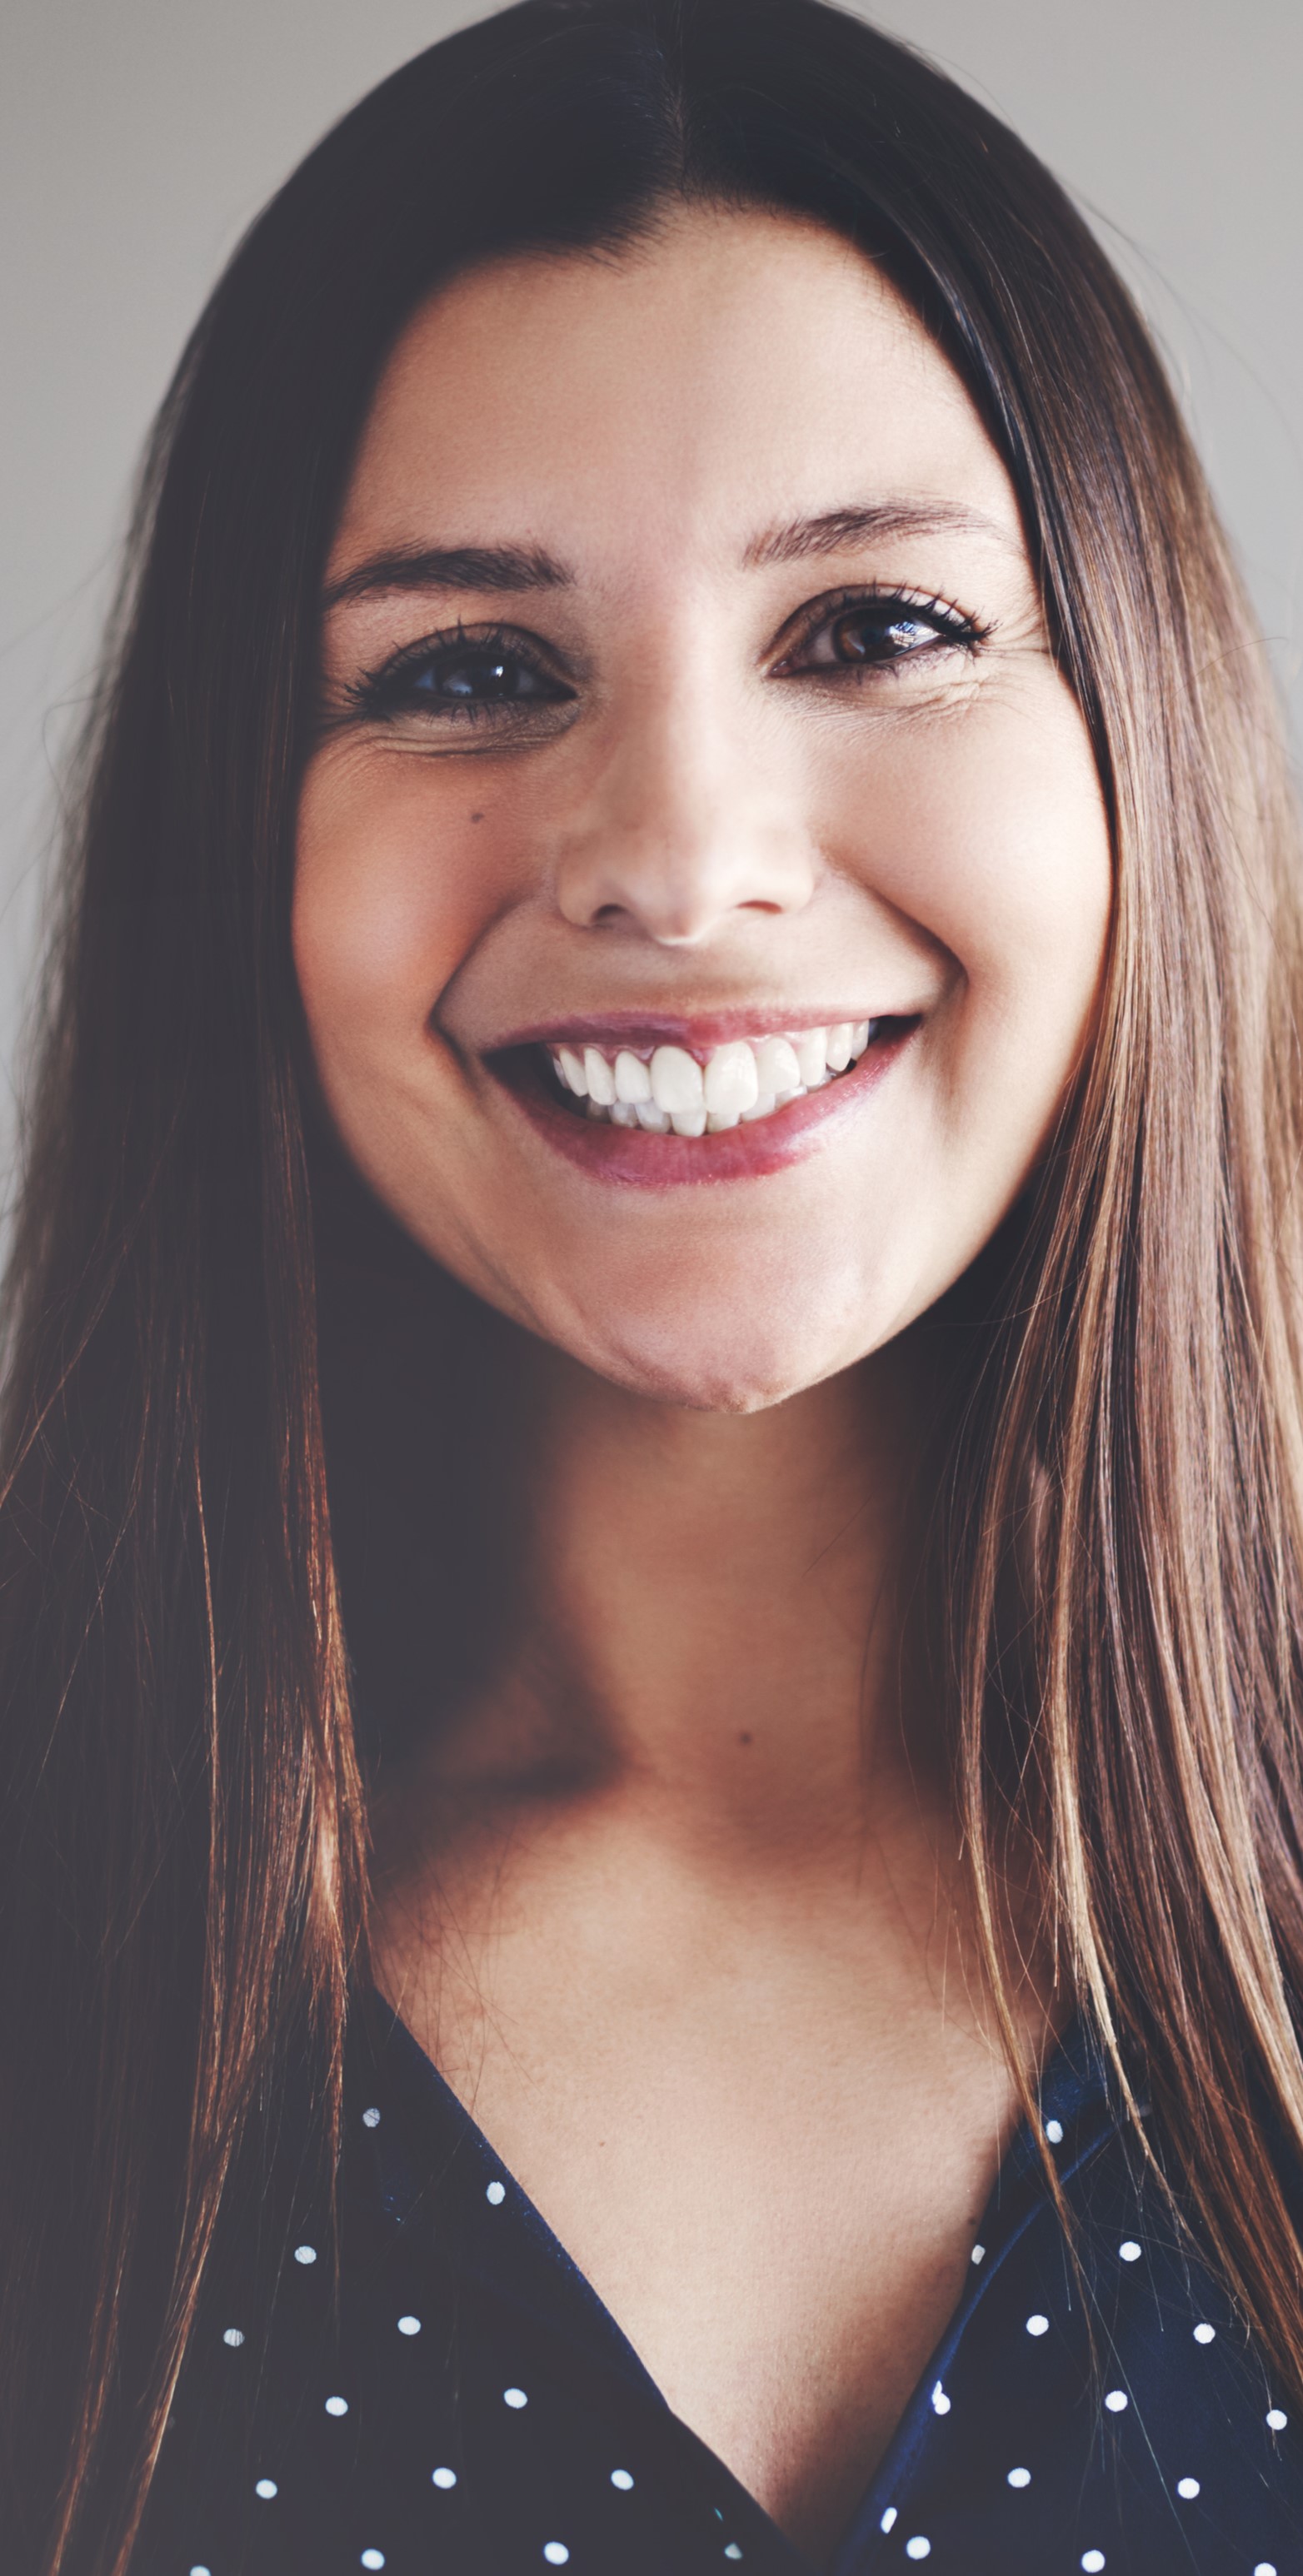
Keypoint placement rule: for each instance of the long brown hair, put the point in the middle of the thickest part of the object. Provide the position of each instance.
(182, 1871)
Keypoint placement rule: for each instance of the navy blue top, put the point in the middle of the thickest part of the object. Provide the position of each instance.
(472, 2409)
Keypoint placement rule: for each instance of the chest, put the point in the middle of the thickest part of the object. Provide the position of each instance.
(770, 2171)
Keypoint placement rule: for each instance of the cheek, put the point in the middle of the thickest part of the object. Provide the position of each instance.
(990, 833)
(392, 889)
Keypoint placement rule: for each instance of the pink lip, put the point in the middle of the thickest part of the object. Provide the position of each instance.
(631, 1157)
(662, 1028)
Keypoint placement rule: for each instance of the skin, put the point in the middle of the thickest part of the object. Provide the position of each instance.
(673, 1896)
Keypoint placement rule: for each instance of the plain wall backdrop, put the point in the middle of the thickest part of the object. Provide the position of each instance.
(139, 137)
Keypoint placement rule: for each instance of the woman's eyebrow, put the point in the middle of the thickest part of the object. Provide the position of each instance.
(524, 568)
(403, 568)
(832, 530)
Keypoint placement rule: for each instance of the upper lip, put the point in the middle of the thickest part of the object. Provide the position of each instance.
(697, 1034)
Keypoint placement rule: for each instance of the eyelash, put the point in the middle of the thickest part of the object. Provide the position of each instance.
(382, 694)
(954, 627)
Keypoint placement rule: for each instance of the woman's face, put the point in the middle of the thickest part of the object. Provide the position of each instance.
(691, 735)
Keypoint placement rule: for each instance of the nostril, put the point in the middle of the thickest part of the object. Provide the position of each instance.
(677, 889)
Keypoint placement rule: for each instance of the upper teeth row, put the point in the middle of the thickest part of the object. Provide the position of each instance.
(748, 1078)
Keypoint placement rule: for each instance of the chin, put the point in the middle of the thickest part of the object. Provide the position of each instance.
(730, 1360)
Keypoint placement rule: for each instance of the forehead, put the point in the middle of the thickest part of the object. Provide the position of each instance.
(667, 399)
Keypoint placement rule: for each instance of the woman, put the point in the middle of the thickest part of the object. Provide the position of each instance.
(653, 1555)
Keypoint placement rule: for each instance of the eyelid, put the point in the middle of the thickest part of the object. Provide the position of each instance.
(961, 623)
(483, 636)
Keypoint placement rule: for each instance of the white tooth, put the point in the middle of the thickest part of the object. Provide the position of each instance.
(688, 1122)
(596, 1109)
(731, 1081)
(811, 1052)
(572, 1066)
(785, 1096)
(764, 1107)
(839, 1046)
(623, 1113)
(632, 1080)
(598, 1076)
(676, 1080)
(859, 1037)
(776, 1065)
(656, 1121)
(718, 1119)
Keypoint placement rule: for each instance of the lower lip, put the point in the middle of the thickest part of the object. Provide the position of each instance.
(637, 1160)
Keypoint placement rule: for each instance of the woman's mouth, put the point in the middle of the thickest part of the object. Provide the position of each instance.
(647, 1108)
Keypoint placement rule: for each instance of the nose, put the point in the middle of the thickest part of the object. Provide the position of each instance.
(684, 829)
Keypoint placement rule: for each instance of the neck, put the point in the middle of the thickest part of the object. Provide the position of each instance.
(697, 1612)
(728, 1590)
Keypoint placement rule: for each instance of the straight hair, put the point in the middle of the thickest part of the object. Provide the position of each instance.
(182, 1817)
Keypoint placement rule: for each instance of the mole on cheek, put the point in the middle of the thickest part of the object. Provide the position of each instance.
(477, 818)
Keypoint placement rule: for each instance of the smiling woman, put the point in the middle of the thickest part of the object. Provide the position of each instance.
(757, 789)
(652, 1565)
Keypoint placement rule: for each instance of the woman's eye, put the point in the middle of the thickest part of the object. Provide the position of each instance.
(470, 677)
(467, 679)
(873, 634)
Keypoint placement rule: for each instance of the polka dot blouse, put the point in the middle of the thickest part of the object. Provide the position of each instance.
(469, 2407)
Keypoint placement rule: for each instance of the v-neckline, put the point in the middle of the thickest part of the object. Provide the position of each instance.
(525, 2263)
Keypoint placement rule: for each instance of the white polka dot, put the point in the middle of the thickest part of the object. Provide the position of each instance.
(514, 2397)
(409, 2325)
(556, 2553)
(1130, 2251)
(373, 2557)
(1054, 2132)
(199, 2571)
(732, 2550)
(266, 2488)
(620, 2478)
(1276, 2419)
(1264, 2568)
(978, 2254)
(234, 2335)
(918, 2547)
(1019, 2478)
(497, 2193)
(888, 2522)
(305, 2253)
(1092, 2561)
(1038, 2325)
(1188, 2488)
(940, 2401)
(337, 2406)
(371, 2118)
(1205, 2334)
(443, 2477)
(1116, 2401)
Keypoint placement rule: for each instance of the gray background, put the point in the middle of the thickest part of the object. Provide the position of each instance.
(138, 138)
